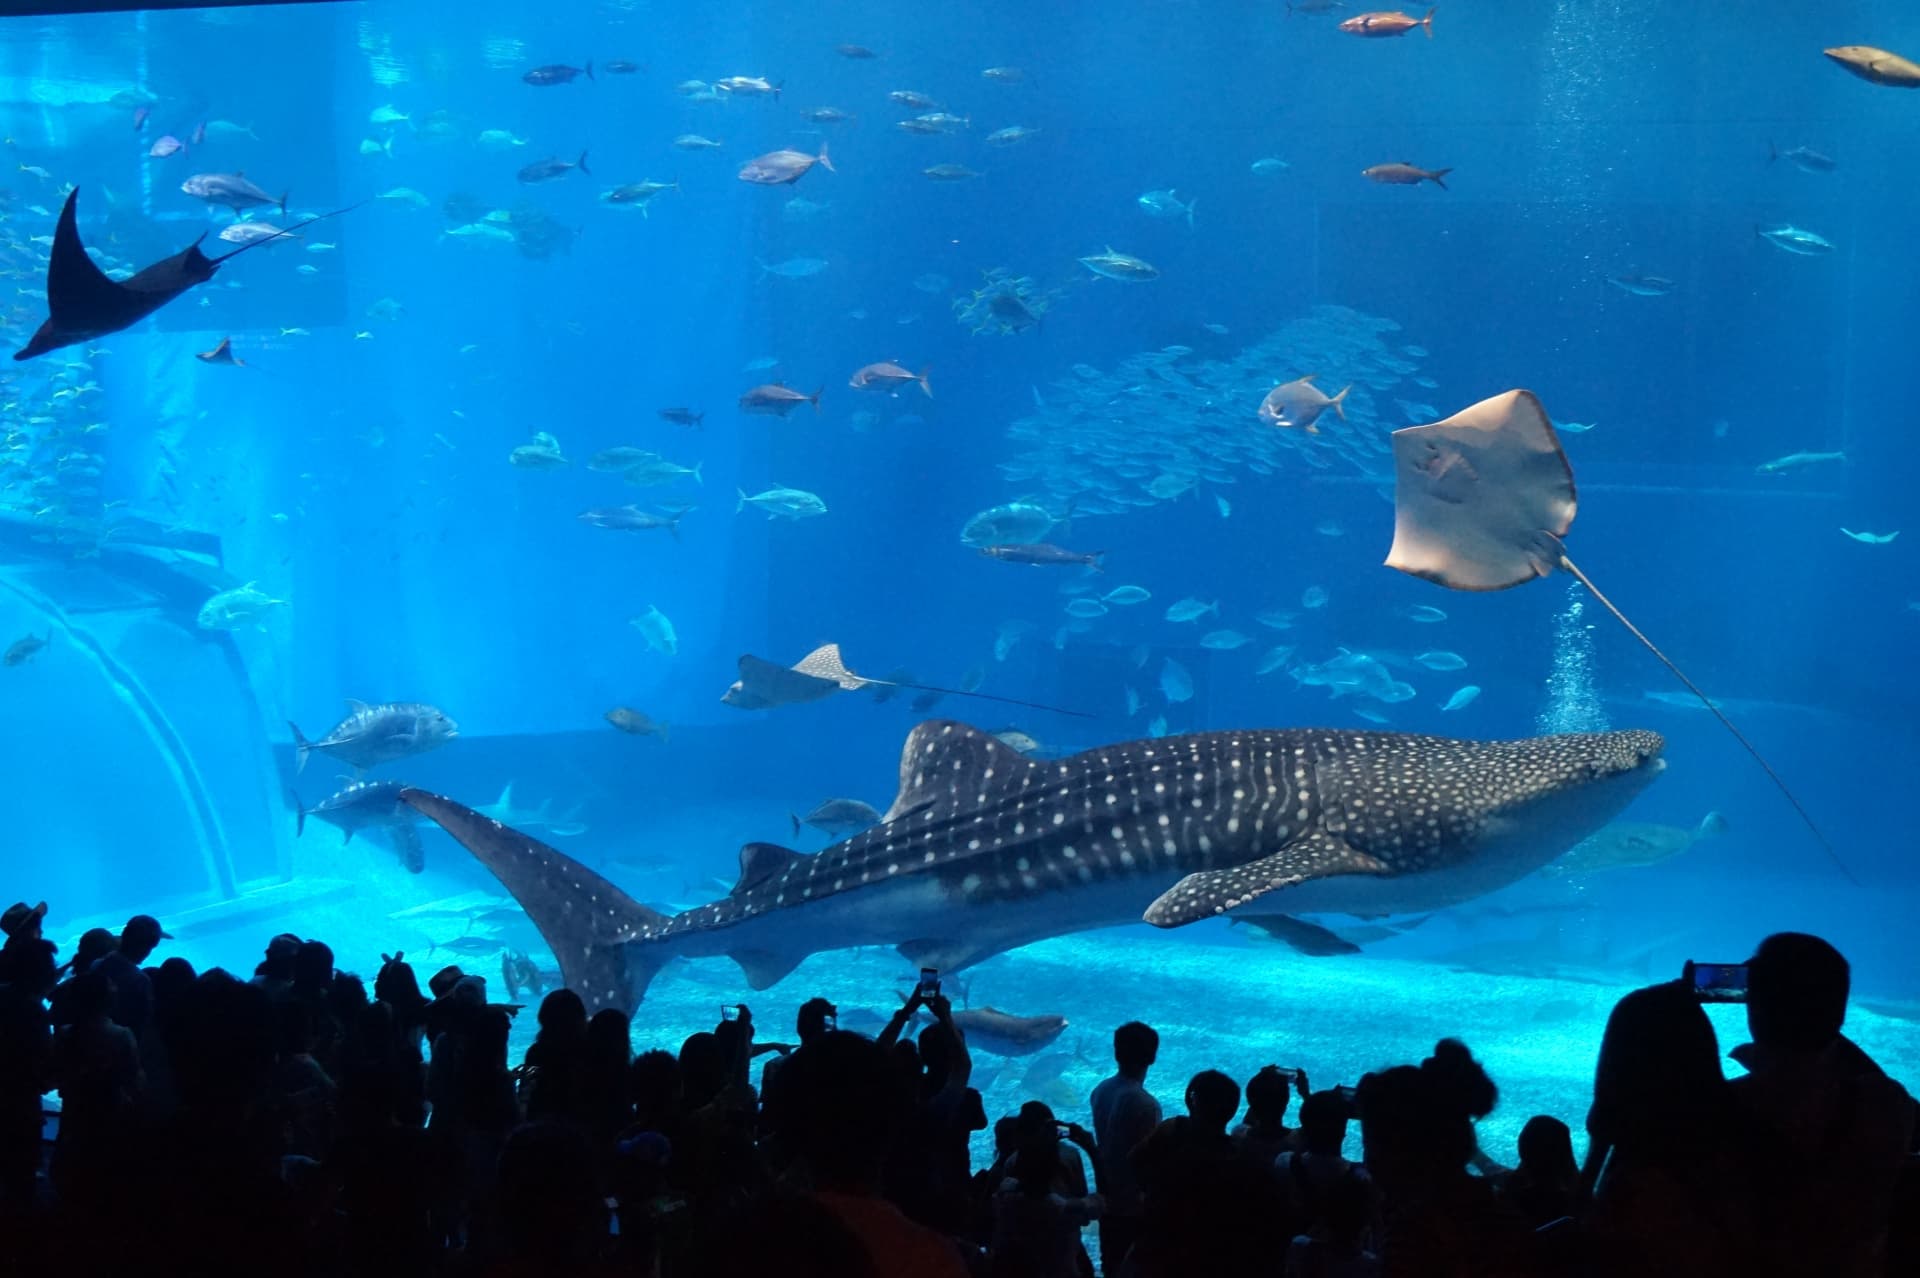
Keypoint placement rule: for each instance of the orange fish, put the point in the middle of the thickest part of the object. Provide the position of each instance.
(1393, 23)
(221, 354)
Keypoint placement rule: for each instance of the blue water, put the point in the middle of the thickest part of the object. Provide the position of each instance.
(358, 468)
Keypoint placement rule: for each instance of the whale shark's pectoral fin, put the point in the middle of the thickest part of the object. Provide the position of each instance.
(765, 968)
(1209, 893)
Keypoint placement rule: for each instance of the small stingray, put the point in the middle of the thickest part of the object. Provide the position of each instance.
(221, 354)
(84, 303)
(1483, 500)
(762, 685)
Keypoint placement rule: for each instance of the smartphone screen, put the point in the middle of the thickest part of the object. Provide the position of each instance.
(929, 981)
(729, 1012)
(1718, 982)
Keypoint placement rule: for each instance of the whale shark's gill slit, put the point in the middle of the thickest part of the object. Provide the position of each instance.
(1482, 501)
(1805, 816)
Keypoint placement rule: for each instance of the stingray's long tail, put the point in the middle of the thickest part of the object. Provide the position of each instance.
(1832, 853)
(291, 230)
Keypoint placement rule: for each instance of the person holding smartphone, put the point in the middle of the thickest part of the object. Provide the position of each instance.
(1835, 1128)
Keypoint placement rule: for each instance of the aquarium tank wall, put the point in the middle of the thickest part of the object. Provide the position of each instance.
(550, 386)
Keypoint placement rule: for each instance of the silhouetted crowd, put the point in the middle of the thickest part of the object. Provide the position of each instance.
(296, 1123)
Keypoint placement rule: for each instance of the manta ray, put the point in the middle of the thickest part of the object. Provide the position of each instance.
(985, 850)
(84, 302)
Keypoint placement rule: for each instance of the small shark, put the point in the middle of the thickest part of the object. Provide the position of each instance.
(985, 850)
(566, 825)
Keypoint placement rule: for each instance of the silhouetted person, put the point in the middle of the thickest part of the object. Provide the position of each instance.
(1336, 1248)
(97, 1067)
(1836, 1129)
(847, 1108)
(1264, 1136)
(608, 1057)
(274, 973)
(1416, 1123)
(302, 1091)
(1308, 1174)
(132, 1004)
(1665, 1161)
(557, 1061)
(1546, 1184)
(817, 1016)
(26, 1069)
(1200, 1191)
(1124, 1113)
(549, 1214)
(381, 1154)
(929, 1169)
(1037, 1217)
(94, 944)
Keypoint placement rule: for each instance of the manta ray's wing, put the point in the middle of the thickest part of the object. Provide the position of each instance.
(1209, 894)
(1482, 499)
(80, 297)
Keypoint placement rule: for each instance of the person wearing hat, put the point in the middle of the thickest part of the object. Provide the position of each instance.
(23, 920)
(133, 988)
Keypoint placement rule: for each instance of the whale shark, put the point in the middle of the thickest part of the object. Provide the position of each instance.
(985, 850)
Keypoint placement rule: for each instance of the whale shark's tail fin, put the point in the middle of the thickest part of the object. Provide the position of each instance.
(588, 923)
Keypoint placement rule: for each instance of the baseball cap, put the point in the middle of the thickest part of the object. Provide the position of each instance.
(145, 925)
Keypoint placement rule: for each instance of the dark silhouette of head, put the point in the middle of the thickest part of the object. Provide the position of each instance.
(1546, 1149)
(1416, 1121)
(313, 967)
(1213, 1099)
(140, 937)
(814, 1015)
(398, 987)
(610, 1038)
(563, 1014)
(1658, 1086)
(1268, 1093)
(1036, 1143)
(277, 965)
(95, 944)
(703, 1069)
(845, 1103)
(1135, 1048)
(1797, 988)
(653, 1083)
(1323, 1122)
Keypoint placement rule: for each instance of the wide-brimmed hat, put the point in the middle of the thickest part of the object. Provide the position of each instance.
(20, 916)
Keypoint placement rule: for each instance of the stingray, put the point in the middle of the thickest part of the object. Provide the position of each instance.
(84, 303)
(1483, 501)
(763, 685)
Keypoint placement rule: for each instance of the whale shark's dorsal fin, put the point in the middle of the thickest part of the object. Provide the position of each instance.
(940, 752)
(1210, 893)
(760, 862)
(1483, 501)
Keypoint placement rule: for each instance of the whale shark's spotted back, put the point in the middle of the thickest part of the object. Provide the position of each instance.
(996, 848)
